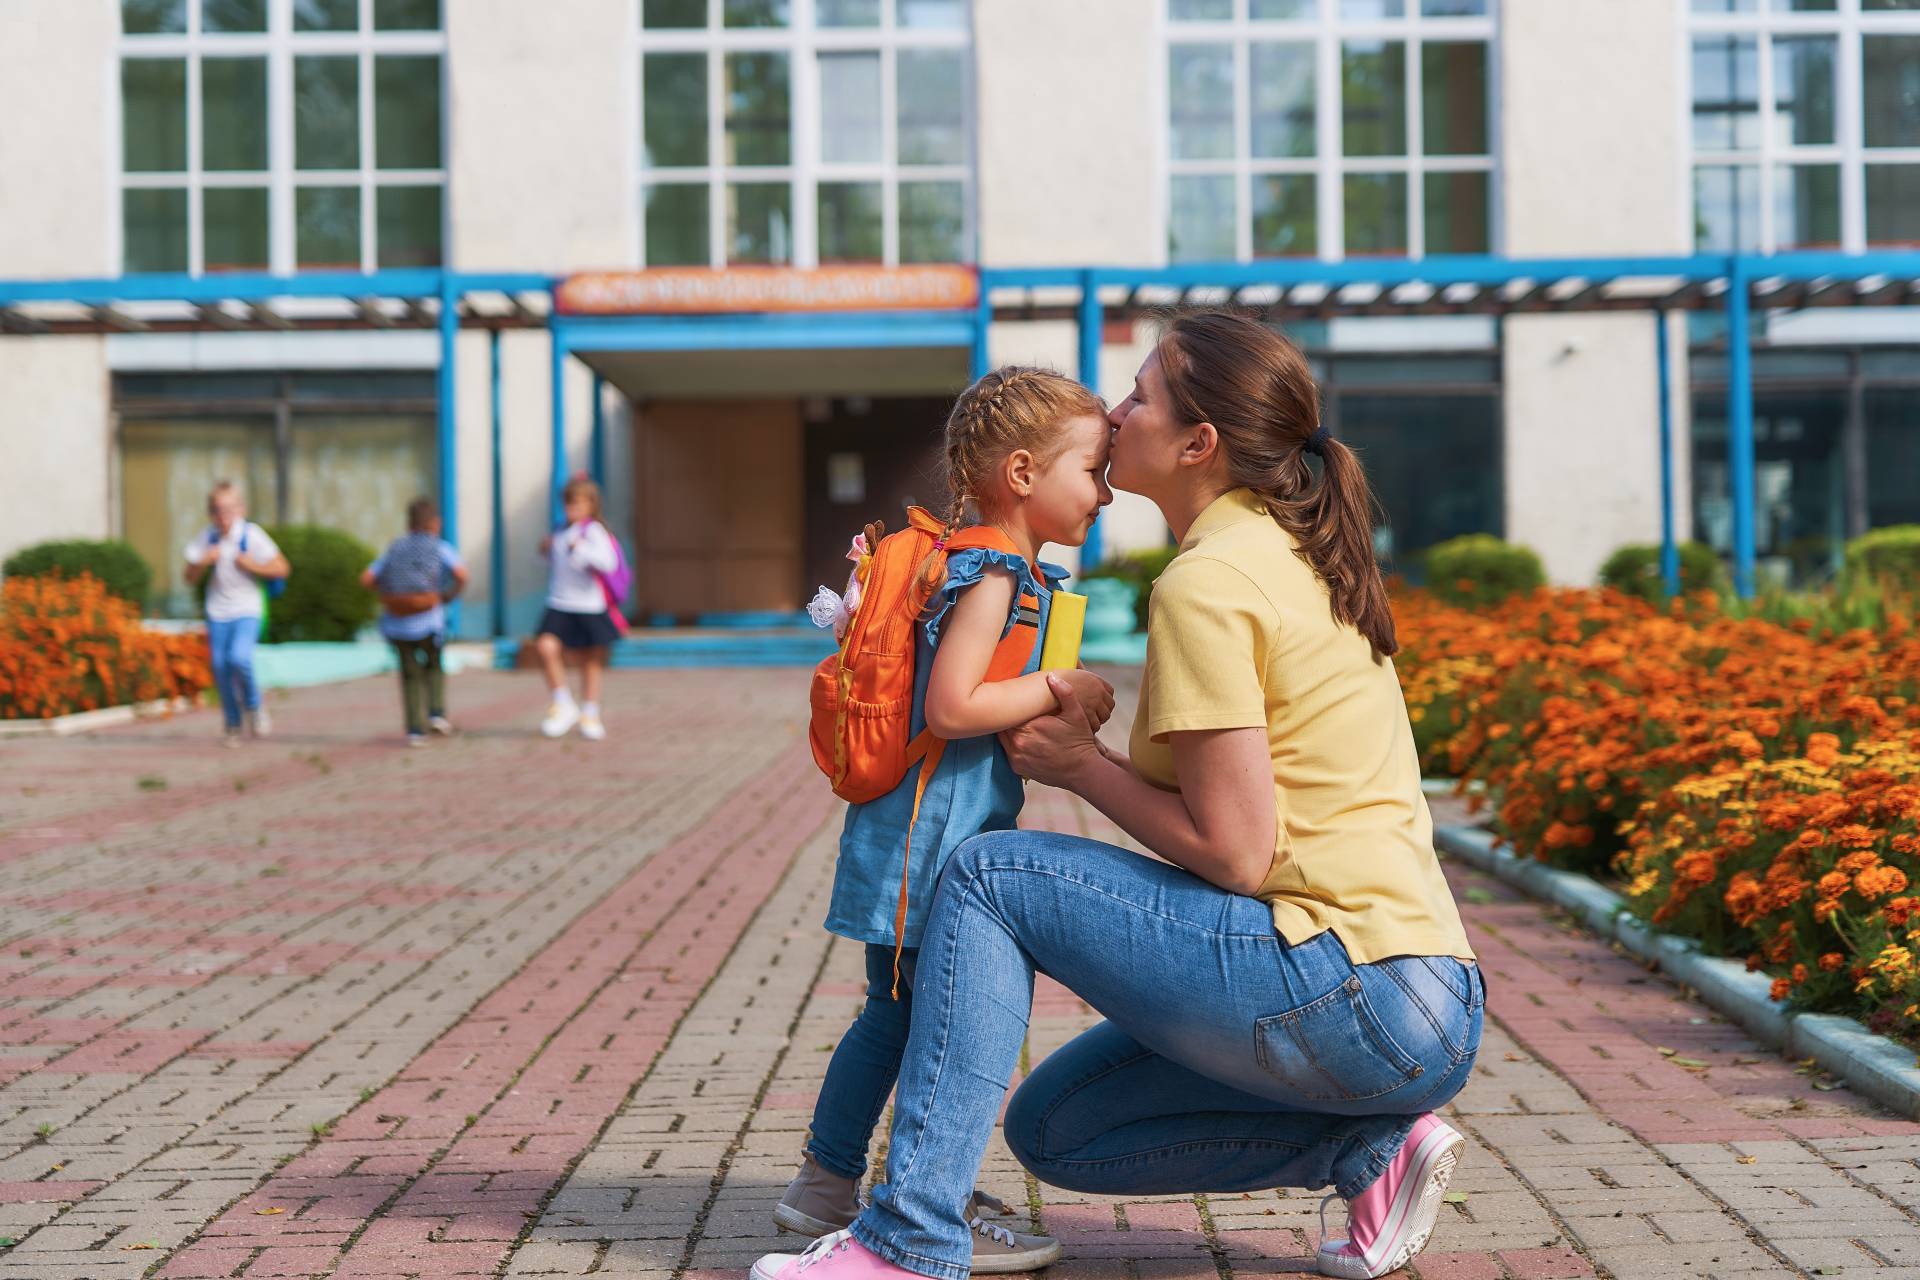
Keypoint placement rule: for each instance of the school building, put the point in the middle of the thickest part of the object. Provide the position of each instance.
(736, 256)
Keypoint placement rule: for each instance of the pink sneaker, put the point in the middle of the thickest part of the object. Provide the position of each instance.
(835, 1257)
(1391, 1220)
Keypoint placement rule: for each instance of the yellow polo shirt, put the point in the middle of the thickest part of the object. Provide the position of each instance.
(1241, 636)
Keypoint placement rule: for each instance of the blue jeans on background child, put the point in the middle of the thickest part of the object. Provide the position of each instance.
(1231, 1061)
(864, 1066)
(232, 641)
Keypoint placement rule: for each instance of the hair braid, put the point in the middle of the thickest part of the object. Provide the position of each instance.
(1008, 409)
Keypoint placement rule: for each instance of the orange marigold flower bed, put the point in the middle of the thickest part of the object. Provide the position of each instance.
(1753, 785)
(67, 645)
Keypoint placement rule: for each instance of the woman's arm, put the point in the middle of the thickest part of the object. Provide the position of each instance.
(1222, 825)
(962, 702)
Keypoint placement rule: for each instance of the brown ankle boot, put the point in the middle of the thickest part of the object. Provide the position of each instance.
(817, 1202)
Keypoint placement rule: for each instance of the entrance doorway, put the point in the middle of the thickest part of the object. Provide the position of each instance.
(746, 506)
(866, 459)
(717, 507)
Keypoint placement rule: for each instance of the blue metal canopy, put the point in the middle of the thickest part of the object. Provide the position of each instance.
(446, 301)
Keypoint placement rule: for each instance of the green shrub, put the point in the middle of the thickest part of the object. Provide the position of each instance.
(1141, 568)
(117, 565)
(1635, 569)
(1889, 558)
(324, 599)
(1479, 569)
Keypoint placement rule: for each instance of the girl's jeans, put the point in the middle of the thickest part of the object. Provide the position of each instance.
(232, 641)
(863, 1068)
(1231, 1061)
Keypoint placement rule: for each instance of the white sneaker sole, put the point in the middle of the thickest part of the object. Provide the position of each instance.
(1003, 1264)
(1411, 1218)
(771, 1265)
(788, 1218)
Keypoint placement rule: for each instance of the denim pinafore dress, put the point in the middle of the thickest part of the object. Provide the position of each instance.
(975, 788)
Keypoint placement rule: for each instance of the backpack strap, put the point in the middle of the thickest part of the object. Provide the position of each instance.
(927, 751)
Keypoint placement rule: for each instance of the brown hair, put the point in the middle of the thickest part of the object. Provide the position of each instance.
(1257, 390)
(220, 489)
(582, 486)
(420, 512)
(1012, 408)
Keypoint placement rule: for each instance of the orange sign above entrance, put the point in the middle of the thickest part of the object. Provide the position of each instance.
(695, 290)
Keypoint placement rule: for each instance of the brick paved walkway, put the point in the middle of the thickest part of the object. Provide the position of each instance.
(510, 1008)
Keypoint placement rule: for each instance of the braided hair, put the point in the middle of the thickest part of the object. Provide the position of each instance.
(1012, 408)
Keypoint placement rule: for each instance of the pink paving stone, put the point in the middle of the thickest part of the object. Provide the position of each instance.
(293, 1260)
(200, 1262)
(1164, 1217)
(1545, 1264)
(1201, 1268)
(789, 1101)
(1458, 1266)
(1264, 1242)
(25, 1192)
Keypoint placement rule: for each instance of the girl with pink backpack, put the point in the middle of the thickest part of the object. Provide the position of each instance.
(587, 588)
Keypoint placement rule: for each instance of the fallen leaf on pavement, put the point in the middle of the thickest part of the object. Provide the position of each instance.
(1745, 1159)
(266, 1212)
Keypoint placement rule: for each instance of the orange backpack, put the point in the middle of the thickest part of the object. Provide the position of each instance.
(862, 695)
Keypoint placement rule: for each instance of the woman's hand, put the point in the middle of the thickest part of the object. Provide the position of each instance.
(1095, 694)
(1057, 749)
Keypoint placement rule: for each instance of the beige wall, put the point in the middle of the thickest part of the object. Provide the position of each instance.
(1593, 161)
(1067, 129)
(57, 200)
(55, 468)
(543, 124)
(527, 461)
(1583, 460)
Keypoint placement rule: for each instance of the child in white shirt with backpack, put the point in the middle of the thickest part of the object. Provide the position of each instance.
(237, 559)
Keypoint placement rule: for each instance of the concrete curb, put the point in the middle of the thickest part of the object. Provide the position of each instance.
(1871, 1065)
(83, 721)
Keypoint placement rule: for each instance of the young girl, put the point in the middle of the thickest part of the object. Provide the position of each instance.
(235, 555)
(1027, 454)
(577, 616)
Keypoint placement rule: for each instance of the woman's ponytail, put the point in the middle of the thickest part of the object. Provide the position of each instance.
(1257, 390)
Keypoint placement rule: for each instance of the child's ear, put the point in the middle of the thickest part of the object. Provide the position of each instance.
(1020, 472)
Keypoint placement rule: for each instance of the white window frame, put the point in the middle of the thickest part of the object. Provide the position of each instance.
(1326, 31)
(802, 42)
(279, 44)
(1847, 22)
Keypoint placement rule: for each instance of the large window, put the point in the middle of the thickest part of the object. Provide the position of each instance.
(281, 134)
(1427, 428)
(1805, 124)
(805, 131)
(343, 450)
(1329, 128)
(1836, 445)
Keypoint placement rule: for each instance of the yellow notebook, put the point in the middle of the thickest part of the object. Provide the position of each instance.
(1065, 618)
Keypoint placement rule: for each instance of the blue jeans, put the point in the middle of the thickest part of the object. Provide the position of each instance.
(863, 1068)
(232, 641)
(1231, 1060)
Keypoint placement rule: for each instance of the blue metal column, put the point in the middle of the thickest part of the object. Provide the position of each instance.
(447, 409)
(982, 324)
(1091, 319)
(1669, 549)
(497, 573)
(1740, 424)
(598, 454)
(558, 375)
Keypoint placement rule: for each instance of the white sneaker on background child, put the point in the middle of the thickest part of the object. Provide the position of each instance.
(591, 727)
(262, 721)
(562, 715)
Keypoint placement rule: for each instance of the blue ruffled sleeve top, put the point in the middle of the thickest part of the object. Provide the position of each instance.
(975, 789)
